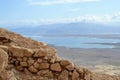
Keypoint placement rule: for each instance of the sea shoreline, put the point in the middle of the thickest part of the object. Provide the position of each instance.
(96, 59)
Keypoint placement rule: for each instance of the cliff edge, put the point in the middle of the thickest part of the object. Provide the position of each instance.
(25, 59)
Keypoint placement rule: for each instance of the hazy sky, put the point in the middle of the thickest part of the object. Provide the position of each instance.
(17, 12)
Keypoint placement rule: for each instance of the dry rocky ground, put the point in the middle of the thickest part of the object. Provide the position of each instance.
(25, 59)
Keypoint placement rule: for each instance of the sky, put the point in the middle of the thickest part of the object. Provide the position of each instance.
(36, 12)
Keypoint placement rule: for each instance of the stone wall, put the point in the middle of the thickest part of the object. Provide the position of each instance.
(43, 63)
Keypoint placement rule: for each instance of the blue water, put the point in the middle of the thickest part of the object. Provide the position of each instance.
(77, 42)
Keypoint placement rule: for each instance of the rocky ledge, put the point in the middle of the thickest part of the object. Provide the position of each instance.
(25, 59)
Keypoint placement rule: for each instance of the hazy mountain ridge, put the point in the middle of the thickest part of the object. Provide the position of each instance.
(68, 28)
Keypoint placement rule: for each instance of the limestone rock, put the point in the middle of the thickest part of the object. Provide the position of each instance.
(5, 48)
(17, 51)
(52, 60)
(55, 67)
(30, 61)
(51, 51)
(50, 75)
(26, 71)
(70, 67)
(5, 75)
(20, 68)
(28, 52)
(75, 75)
(40, 53)
(19, 59)
(87, 76)
(8, 75)
(36, 65)
(44, 65)
(32, 69)
(39, 60)
(84, 73)
(42, 72)
(63, 75)
(57, 58)
(23, 64)
(80, 69)
(3, 60)
(24, 59)
(64, 62)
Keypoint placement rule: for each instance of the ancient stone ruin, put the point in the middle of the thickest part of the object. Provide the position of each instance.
(25, 59)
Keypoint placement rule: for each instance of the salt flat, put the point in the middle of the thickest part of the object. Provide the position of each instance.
(102, 60)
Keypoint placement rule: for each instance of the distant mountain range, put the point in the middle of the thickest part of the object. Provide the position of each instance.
(66, 29)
